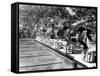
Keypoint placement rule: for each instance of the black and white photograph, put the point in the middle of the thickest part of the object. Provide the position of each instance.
(56, 37)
